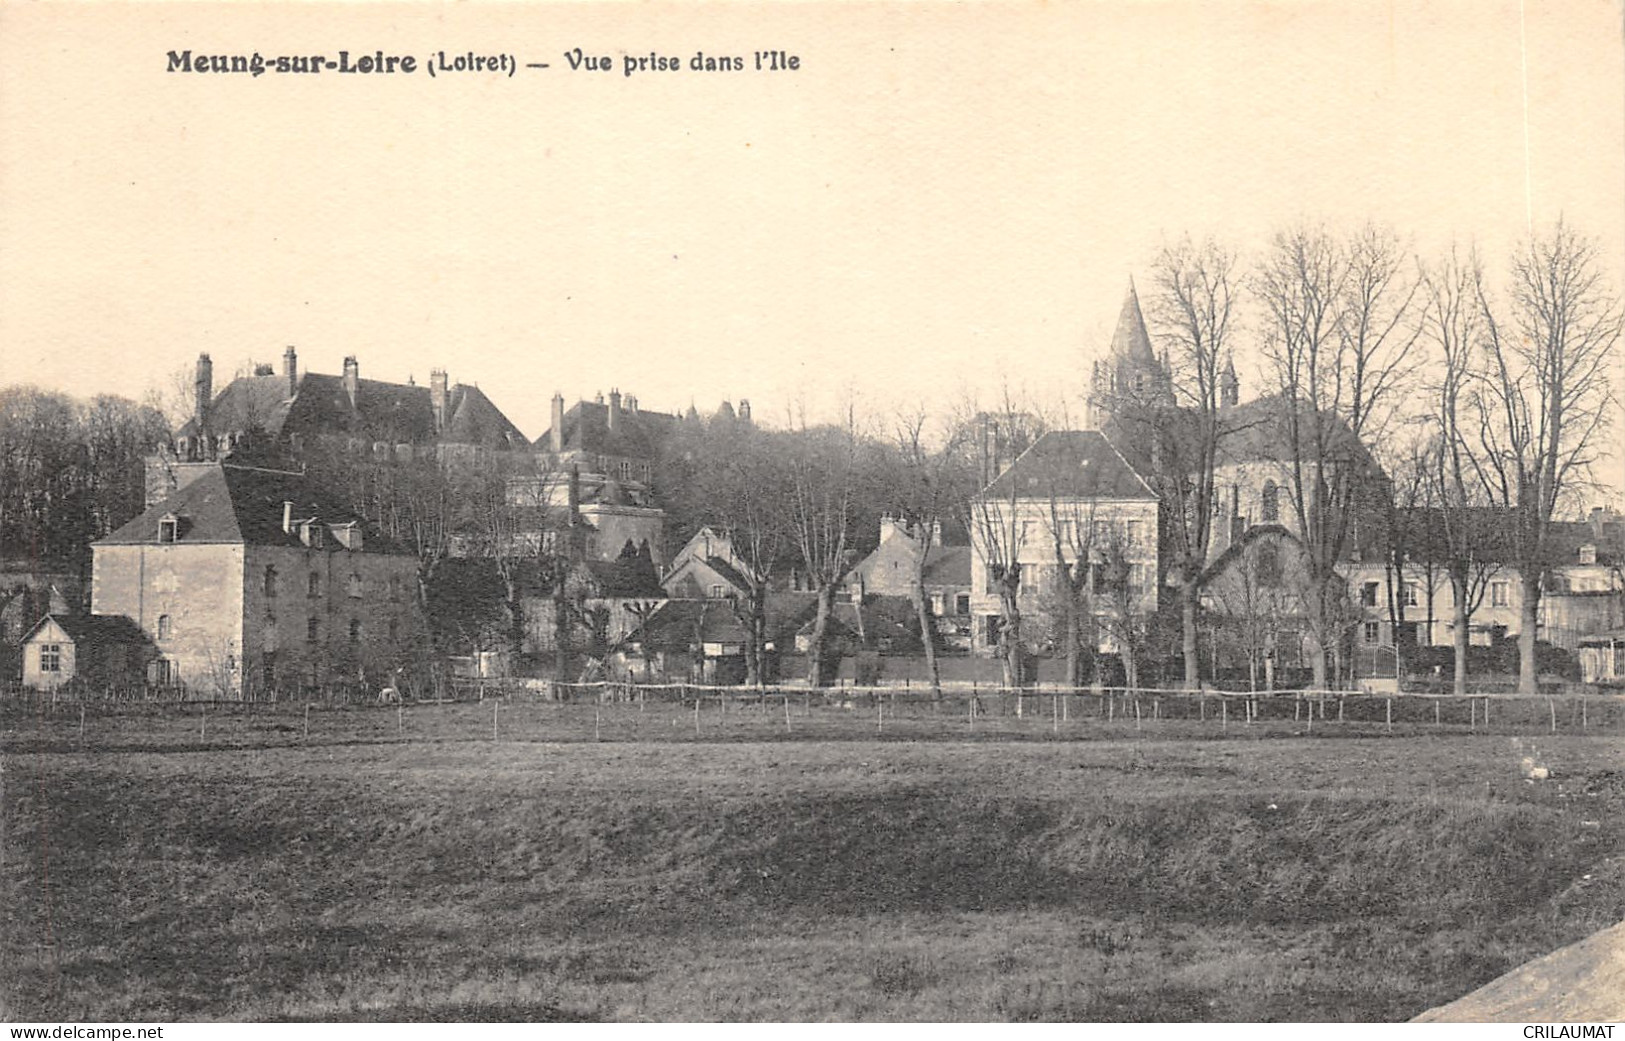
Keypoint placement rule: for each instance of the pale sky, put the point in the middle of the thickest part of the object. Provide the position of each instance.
(941, 200)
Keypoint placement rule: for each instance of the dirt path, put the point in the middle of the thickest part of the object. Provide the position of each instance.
(1583, 982)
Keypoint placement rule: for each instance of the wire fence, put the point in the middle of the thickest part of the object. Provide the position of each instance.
(617, 712)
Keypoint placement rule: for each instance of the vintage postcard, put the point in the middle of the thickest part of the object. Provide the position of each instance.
(899, 512)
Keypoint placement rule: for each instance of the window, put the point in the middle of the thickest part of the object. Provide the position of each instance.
(1136, 577)
(1373, 632)
(1268, 567)
(939, 603)
(163, 627)
(50, 657)
(1410, 594)
(394, 629)
(394, 587)
(313, 629)
(1066, 533)
(355, 630)
(717, 591)
(315, 584)
(353, 587)
(270, 581)
(313, 535)
(1100, 531)
(1500, 594)
(1136, 532)
(169, 529)
(1270, 508)
(1368, 595)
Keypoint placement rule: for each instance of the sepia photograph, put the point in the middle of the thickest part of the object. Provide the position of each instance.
(893, 512)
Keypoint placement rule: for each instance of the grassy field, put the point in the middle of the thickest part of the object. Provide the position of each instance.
(1103, 879)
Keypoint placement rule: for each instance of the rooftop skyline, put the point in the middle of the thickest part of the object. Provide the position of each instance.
(941, 201)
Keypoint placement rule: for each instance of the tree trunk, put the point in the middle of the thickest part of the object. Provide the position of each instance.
(815, 646)
(1074, 639)
(1528, 616)
(1460, 633)
(1189, 597)
(922, 611)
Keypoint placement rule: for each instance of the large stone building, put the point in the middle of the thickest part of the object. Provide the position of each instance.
(249, 579)
(281, 414)
(1074, 488)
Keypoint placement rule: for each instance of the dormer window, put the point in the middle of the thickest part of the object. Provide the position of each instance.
(1588, 554)
(310, 533)
(169, 528)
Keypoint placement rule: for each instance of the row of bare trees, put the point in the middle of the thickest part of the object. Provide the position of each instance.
(1359, 342)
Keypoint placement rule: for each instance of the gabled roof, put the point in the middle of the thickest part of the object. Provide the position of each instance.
(1070, 464)
(637, 434)
(93, 629)
(624, 579)
(242, 504)
(678, 624)
(393, 413)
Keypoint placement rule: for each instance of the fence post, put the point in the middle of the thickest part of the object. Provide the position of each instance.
(880, 712)
(1224, 714)
(787, 713)
(400, 721)
(81, 726)
(494, 704)
(1055, 714)
(1551, 706)
(1136, 713)
(1486, 713)
(1389, 702)
(1436, 713)
(1472, 715)
(597, 724)
(307, 722)
(696, 715)
(1583, 722)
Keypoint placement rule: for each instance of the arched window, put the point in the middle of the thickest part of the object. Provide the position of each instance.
(355, 630)
(315, 584)
(1270, 509)
(163, 627)
(353, 587)
(270, 581)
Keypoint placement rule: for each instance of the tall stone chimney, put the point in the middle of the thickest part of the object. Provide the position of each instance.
(205, 392)
(352, 378)
(437, 398)
(744, 410)
(290, 369)
(558, 423)
(614, 409)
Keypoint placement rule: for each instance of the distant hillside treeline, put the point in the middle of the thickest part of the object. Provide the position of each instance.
(70, 470)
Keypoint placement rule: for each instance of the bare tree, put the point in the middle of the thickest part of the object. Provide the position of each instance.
(1547, 397)
(1339, 325)
(1192, 312)
(927, 482)
(823, 470)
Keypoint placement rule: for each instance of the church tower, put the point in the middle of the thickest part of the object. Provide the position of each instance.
(1131, 375)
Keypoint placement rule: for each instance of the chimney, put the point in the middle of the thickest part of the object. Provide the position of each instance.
(614, 409)
(437, 398)
(290, 369)
(744, 410)
(205, 390)
(936, 533)
(558, 422)
(352, 378)
(287, 516)
(1597, 514)
(632, 404)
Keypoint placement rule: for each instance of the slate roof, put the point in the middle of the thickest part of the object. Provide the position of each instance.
(637, 435)
(395, 413)
(1080, 464)
(94, 629)
(948, 566)
(242, 504)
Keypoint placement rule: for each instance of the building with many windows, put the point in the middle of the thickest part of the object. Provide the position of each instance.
(250, 579)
